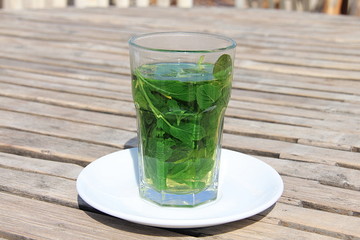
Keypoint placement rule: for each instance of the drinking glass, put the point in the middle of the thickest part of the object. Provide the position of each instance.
(181, 83)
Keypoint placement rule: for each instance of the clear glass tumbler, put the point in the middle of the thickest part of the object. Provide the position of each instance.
(181, 83)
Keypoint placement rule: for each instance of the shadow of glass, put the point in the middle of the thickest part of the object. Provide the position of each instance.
(131, 143)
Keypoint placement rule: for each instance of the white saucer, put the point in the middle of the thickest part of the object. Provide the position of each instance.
(247, 186)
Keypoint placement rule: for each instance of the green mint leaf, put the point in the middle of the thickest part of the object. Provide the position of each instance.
(140, 100)
(175, 110)
(171, 89)
(206, 95)
(160, 147)
(223, 67)
(188, 132)
(176, 103)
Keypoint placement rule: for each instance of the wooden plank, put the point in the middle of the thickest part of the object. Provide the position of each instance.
(58, 35)
(315, 195)
(64, 113)
(68, 100)
(309, 93)
(298, 61)
(60, 26)
(312, 46)
(52, 148)
(250, 229)
(39, 186)
(9, 28)
(341, 125)
(298, 70)
(335, 225)
(60, 87)
(304, 135)
(321, 155)
(296, 102)
(77, 66)
(292, 111)
(257, 115)
(20, 217)
(78, 48)
(27, 164)
(76, 131)
(239, 103)
(314, 58)
(291, 151)
(293, 38)
(298, 82)
(93, 84)
(61, 71)
(36, 49)
(253, 145)
(330, 175)
(304, 55)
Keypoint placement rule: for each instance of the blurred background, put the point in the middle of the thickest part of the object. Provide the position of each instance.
(334, 7)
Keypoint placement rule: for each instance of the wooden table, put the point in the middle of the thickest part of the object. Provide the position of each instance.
(65, 100)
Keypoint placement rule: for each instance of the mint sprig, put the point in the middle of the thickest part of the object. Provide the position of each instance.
(181, 121)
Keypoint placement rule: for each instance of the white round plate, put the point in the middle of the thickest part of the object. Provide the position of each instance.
(247, 186)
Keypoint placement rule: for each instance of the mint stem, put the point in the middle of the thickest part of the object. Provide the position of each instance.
(157, 113)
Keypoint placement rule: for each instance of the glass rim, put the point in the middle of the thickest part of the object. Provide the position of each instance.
(231, 45)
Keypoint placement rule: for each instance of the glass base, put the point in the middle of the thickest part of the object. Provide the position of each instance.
(178, 200)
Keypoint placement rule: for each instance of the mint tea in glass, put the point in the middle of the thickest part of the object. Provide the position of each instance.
(181, 84)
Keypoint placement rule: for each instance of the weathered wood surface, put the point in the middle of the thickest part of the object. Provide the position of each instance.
(65, 100)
